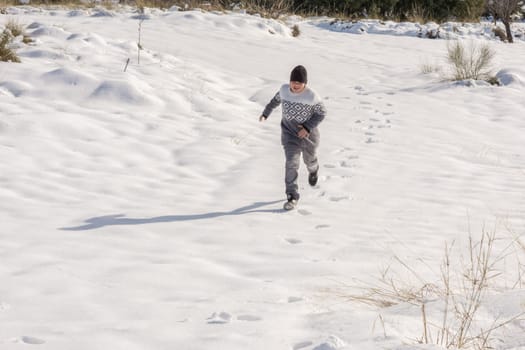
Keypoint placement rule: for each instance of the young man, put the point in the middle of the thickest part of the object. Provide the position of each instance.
(302, 110)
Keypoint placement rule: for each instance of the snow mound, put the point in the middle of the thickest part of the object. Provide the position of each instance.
(472, 83)
(243, 22)
(68, 77)
(42, 53)
(35, 25)
(507, 77)
(13, 11)
(101, 12)
(219, 318)
(120, 92)
(262, 96)
(88, 45)
(332, 343)
(372, 27)
(32, 340)
(448, 30)
(15, 88)
(233, 22)
(77, 13)
(95, 39)
(50, 31)
(75, 36)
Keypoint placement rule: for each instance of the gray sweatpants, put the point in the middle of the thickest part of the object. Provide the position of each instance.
(293, 148)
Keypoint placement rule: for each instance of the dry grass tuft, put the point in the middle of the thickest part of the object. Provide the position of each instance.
(461, 290)
(473, 62)
(6, 53)
(429, 68)
(12, 30)
(296, 31)
(16, 28)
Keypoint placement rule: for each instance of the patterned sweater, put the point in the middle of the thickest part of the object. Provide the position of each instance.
(304, 109)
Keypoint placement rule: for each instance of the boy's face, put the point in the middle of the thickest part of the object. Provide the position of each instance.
(297, 87)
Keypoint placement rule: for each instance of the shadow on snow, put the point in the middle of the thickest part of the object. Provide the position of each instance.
(121, 219)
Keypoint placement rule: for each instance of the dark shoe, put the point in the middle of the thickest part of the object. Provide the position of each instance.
(291, 201)
(312, 178)
(290, 204)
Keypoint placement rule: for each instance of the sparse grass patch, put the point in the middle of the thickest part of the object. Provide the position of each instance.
(429, 68)
(269, 9)
(16, 28)
(450, 307)
(6, 53)
(296, 31)
(473, 62)
(418, 14)
(493, 80)
(26, 39)
(12, 30)
(212, 5)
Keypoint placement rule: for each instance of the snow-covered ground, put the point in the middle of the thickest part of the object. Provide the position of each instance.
(140, 206)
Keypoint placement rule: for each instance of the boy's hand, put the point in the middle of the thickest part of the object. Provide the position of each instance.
(262, 118)
(302, 132)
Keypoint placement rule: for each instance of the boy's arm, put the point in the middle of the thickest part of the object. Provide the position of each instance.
(317, 117)
(276, 101)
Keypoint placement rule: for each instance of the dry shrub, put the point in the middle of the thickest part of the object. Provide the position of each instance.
(429, 68)
(12, 30)
(473, 62)
(500, 33)
(418, 14)
(268, 8)
(6, 53)
(461, 290)
(16, 28)
(296, 31)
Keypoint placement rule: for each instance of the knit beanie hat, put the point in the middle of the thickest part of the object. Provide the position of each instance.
(299, 74)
